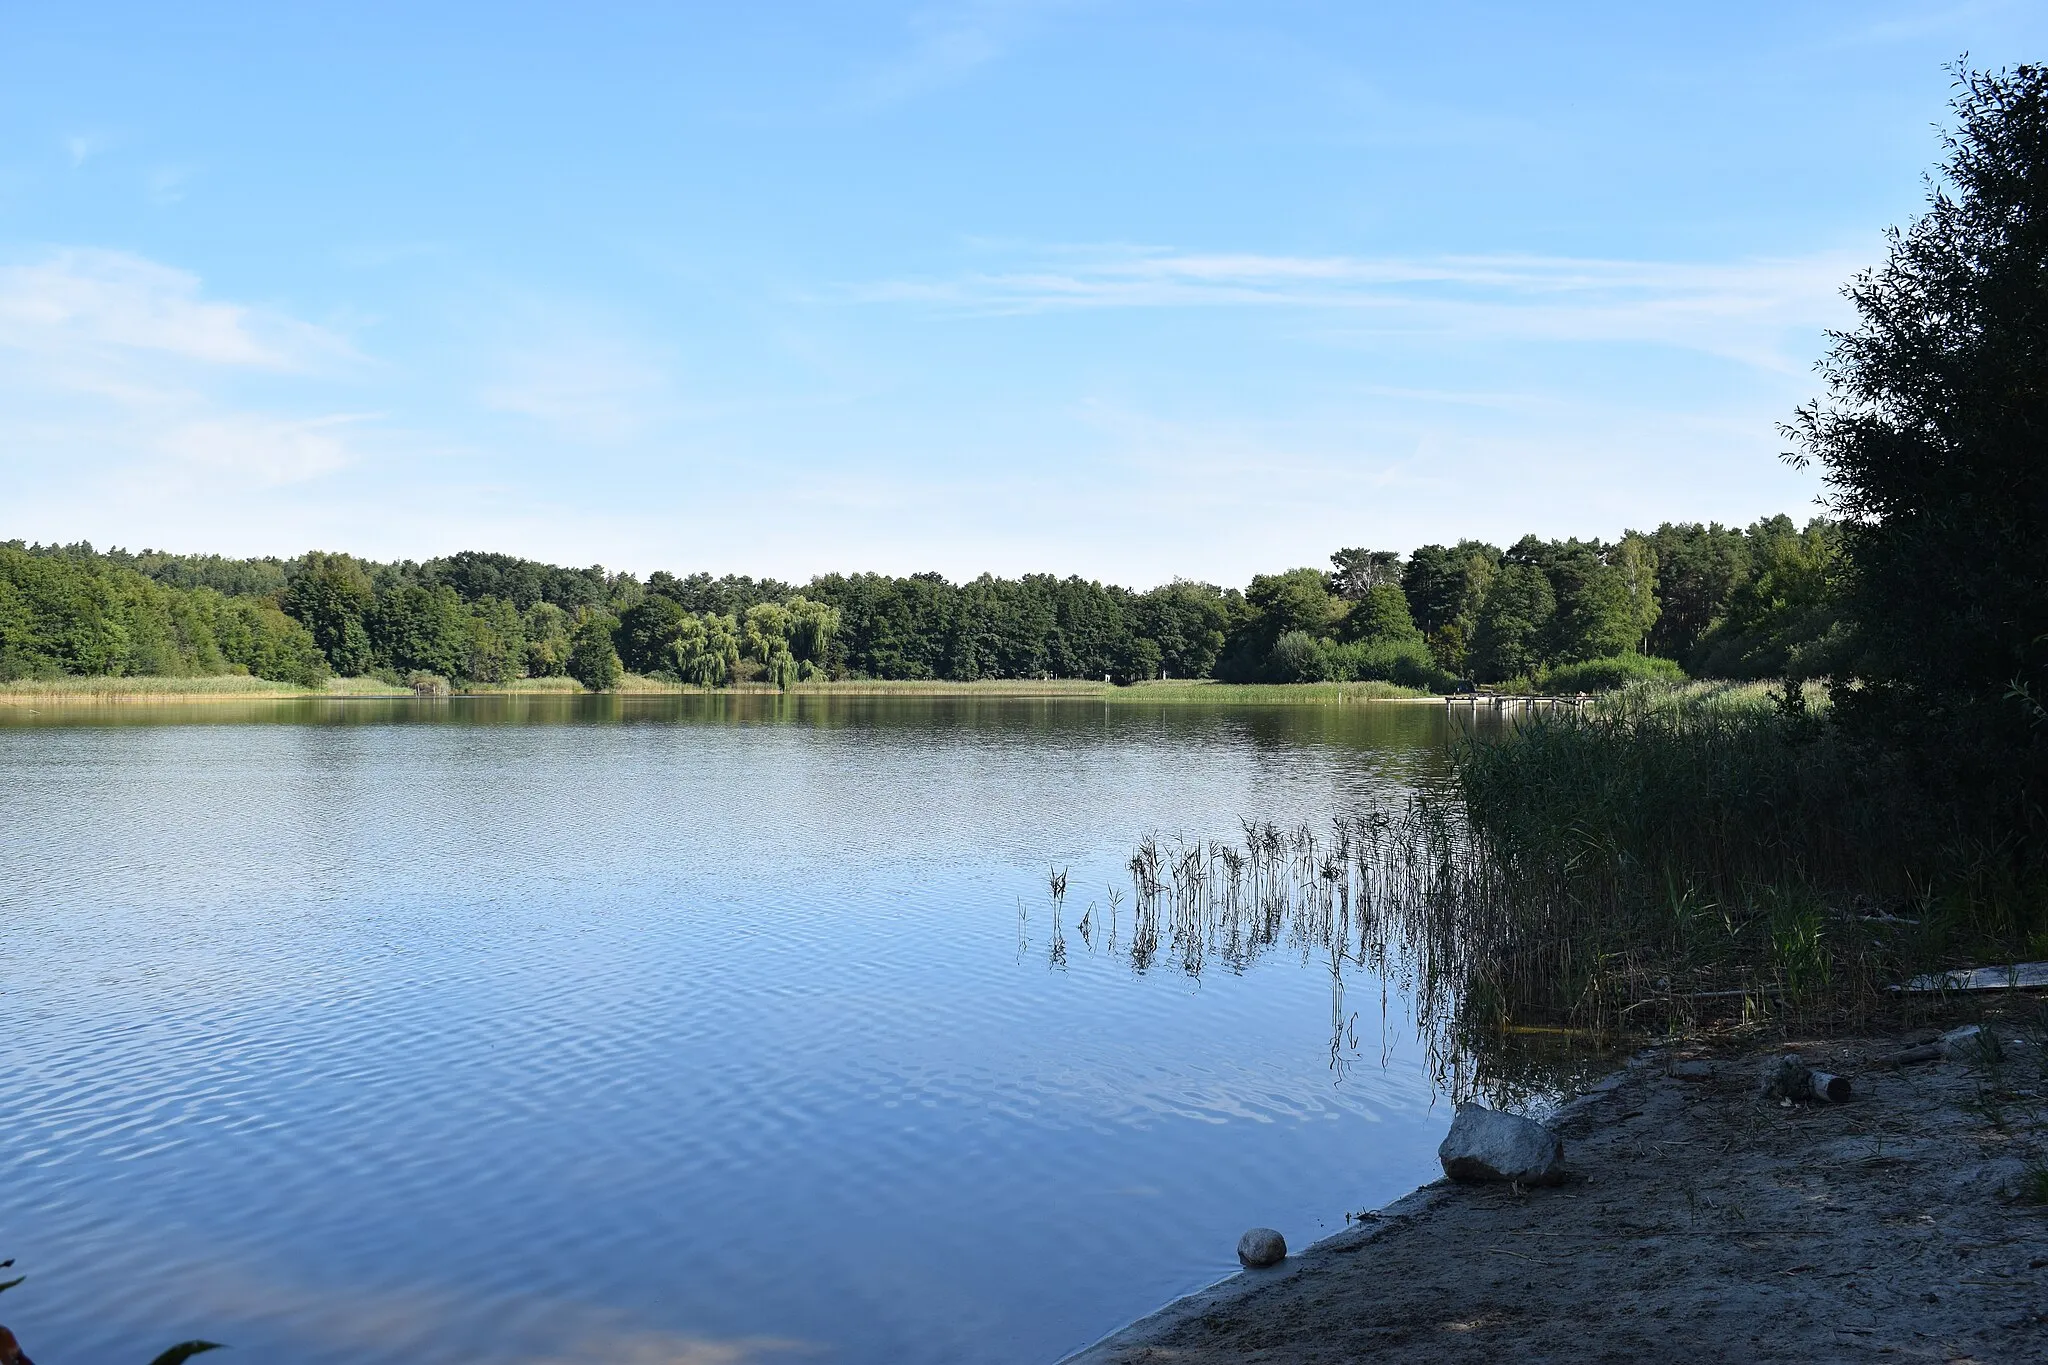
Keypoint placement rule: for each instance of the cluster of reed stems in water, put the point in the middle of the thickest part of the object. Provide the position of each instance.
(1638, 868)
(1363, 893)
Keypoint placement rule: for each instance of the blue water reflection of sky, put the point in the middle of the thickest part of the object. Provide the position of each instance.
(659, 1042)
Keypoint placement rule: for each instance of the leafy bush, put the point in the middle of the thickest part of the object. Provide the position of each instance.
(1606, 675)
(1299, 657)
(1404, 661)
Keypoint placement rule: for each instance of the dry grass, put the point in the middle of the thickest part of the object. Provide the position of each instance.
(541, 687)
(221, 688)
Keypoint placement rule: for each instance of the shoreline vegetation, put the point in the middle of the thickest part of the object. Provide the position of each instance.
(1550, 616)
(233, 687)
(1556, 616)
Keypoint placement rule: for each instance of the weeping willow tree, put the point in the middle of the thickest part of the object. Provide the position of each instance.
(706, 649)
(788, 639)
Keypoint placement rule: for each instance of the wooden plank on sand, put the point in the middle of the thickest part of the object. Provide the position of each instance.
(2020, 976)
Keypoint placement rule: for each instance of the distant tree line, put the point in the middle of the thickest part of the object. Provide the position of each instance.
(1712, 600)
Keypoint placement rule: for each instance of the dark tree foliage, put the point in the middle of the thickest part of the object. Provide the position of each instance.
(648, 631)
(331, 594)
(1188, 622)
(1438, 578)
(889, 627)
(1088, 629)
(1932, 440)
(1382, 614)
(1698, 569)
(1295, 602)
(1002, 628)
(475, 575)
(1592, 619)
(731, 595)
(414, 628)
(593, 660)
(1514, 621)
(1781, 618)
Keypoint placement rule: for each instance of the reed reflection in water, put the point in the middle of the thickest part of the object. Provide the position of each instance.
(1403, 896)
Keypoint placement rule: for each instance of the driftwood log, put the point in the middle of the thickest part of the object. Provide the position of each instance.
(1790, 1079)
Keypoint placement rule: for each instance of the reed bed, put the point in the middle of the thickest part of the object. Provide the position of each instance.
(1675, 859)
(227, 687)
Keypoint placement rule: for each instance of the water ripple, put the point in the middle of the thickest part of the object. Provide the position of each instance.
(704, 1036)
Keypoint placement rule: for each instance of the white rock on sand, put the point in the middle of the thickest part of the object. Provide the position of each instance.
(1487, 1145)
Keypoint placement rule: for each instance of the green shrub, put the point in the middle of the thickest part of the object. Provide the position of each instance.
(1605, 675)
(1299, 657)
(593, 661)
(1404, 661)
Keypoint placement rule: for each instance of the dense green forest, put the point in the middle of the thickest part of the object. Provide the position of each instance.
(1708, 599)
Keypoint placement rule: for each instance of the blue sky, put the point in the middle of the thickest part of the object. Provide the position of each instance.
(1133, 290)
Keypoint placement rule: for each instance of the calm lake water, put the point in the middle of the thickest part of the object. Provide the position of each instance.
(660, 1031)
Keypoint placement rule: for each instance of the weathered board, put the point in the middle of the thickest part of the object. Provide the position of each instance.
(2020, 976)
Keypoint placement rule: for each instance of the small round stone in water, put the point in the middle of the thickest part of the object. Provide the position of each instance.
(1260, 1248)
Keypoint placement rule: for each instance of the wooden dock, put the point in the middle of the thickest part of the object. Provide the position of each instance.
(1502, 701)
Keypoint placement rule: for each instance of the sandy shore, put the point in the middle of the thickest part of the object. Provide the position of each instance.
(1700, 1223)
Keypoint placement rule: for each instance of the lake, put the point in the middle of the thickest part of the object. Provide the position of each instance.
(662, 1030)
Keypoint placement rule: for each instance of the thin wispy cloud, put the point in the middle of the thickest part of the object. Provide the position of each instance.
(166, 184)
(949, 42)
(582, 386)
(266, 450)
(111, 361)
(1920, 21)
(1737, 309)
(109, 302)
(83, 147)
